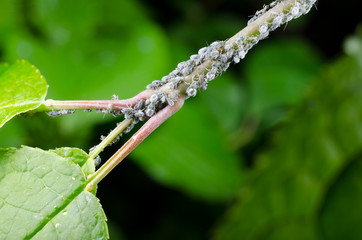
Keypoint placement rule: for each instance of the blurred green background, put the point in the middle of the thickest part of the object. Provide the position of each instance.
(272, 149)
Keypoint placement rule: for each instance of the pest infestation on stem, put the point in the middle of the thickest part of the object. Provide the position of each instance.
(164, 97)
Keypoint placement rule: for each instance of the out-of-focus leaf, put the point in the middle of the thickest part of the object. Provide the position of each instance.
(341, 214)
(226, 102)
(22, 88)
(282, 195)
(195, 159)
(279, 72)
(102, 48)
(42, 196)
(92, 50)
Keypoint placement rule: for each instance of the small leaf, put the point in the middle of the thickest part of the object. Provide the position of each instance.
(22, 88)
(42, 196)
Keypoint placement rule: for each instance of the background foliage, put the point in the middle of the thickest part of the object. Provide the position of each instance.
(272, 150)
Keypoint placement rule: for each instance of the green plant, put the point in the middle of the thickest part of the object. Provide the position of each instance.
(165, 98)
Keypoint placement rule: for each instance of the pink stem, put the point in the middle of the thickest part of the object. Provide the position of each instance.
(96, 104)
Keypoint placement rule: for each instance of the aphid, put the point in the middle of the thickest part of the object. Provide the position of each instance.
(175, 82)
(263, 28)
(240, 41)
(174, 95)
(114, 97)
(276, 22)
(236, 59)
(116, 113)
(175, 73)
(163, 98)
(150, 111)
(194, 57)
(210, 76)
(155, 84)
(228, 46)
(139, 105)
(230, 53)
(295, 9)
(193, 84)
(129, 128)
(139, 114)
(165, 79)
(217, 64)
(202, 85)
(187, 70)
(214, 54)
(101, 110)
(223, 58)
(57, 113)
(242, 54)
(203, 51)
(217, 44)
(154, 98)
(191, 92)
(170, 102)
(147, 102)
(181, 65)
(128, 113)
(114, 141)
(97, 161)
(225, 66)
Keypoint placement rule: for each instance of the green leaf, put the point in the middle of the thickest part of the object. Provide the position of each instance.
(189, 152)
(341, 215)
(22, 88)
(282, 195)
(78, 157)
(42, 196)
(279, 72)
(102, 48)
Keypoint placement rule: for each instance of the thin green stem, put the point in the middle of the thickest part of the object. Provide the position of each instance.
(111, 136)
(133, 142)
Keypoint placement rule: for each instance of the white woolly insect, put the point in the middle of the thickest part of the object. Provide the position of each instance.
(154, 98)
(97, 160)
(191, 92)
(57, 113)
(263, 28)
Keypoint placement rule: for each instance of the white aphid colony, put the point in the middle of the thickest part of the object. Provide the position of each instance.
(209, 62)
(57, 113)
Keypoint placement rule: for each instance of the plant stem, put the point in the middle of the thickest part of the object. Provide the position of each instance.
(111, 136)
(280, 13)
(133, 142)
(50, 105)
